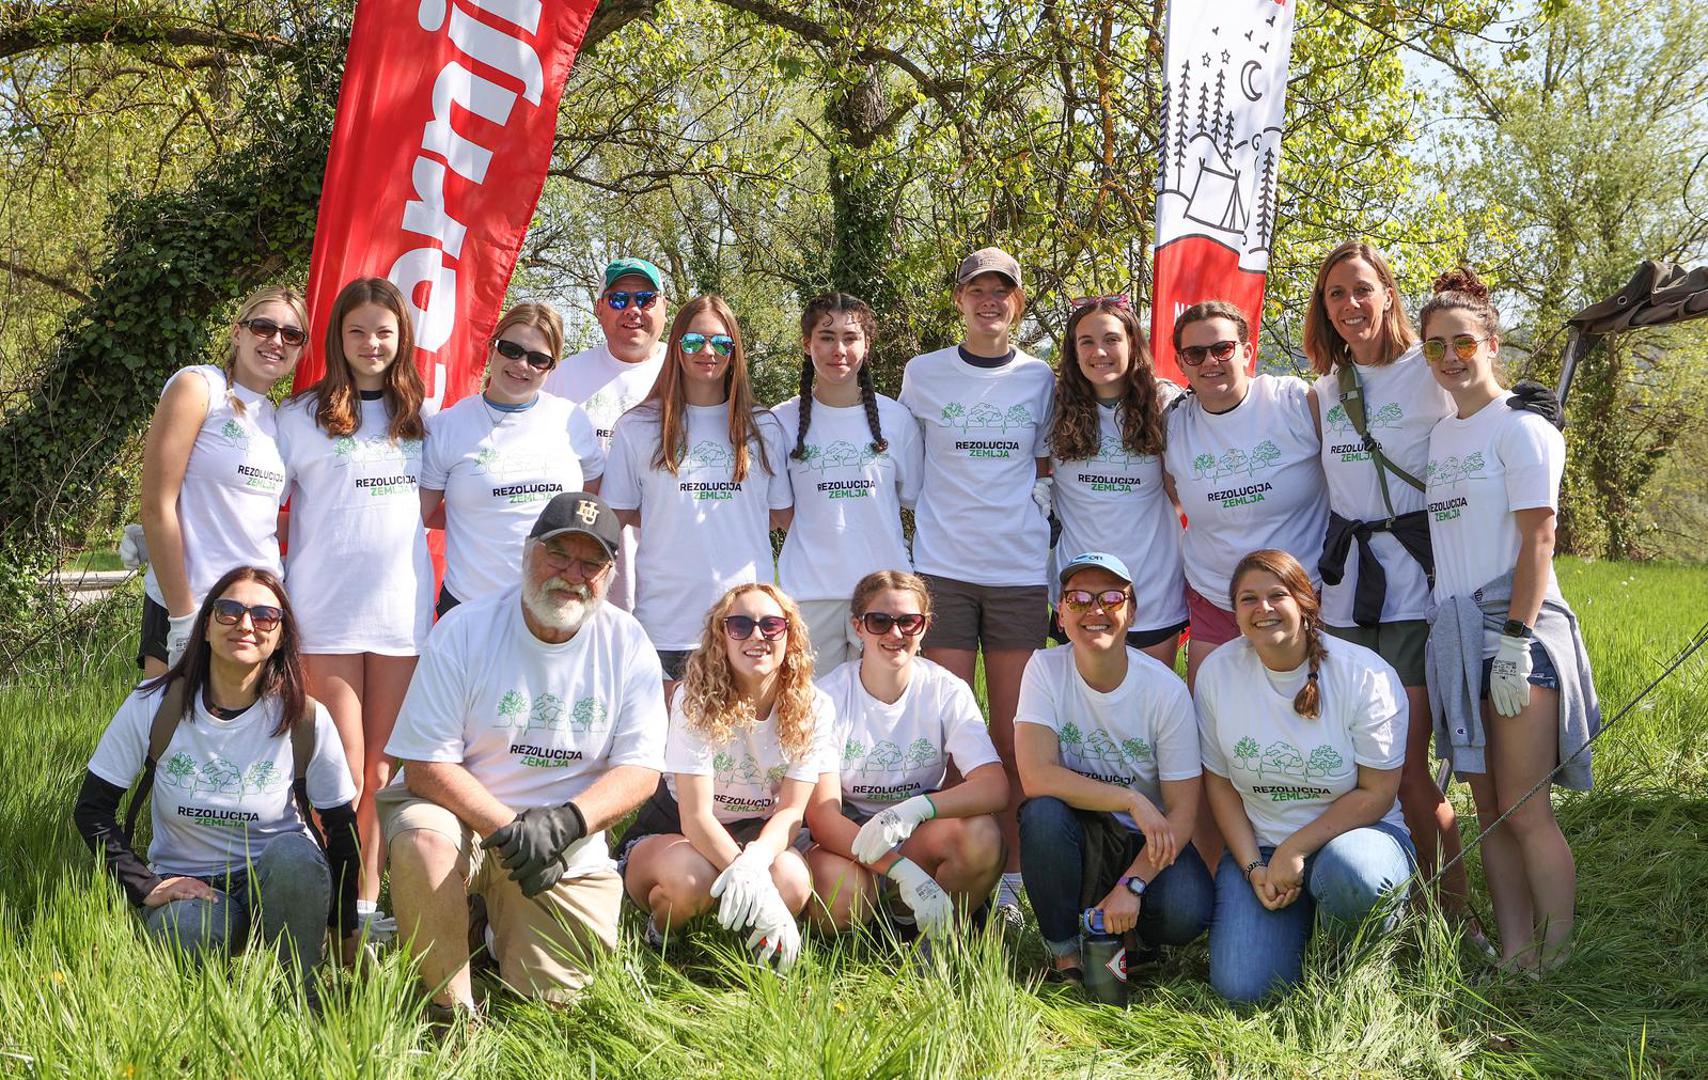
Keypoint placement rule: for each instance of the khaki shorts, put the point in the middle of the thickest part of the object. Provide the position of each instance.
(831, 629)
(545, 945)
(966, 616)
(1399, 643)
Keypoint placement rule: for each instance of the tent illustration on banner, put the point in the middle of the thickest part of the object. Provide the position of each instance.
(1222, 113)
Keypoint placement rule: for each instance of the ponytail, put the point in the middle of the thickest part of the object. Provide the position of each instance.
(869, 398)
(800, 451)
(1308, 701)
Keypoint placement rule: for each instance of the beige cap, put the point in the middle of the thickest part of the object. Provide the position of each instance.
(988, 260)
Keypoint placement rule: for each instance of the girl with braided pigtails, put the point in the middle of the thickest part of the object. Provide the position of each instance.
(855, 463)
(1303, 737)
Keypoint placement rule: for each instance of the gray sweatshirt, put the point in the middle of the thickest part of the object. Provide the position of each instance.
(1454, 668)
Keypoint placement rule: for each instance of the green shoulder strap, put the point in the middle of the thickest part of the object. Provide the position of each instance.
(1352, 400)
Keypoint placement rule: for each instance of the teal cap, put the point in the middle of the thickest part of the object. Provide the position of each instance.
(1100, 559)
(623, 267)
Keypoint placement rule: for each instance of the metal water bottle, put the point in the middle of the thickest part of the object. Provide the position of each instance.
(1103, 959)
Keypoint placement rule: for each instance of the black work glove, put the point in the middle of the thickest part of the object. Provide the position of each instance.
(1538, 398)
(535, 841)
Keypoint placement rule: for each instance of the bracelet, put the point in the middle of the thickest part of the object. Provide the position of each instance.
(1253, 865)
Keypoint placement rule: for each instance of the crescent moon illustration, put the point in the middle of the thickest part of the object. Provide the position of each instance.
(1248, 81)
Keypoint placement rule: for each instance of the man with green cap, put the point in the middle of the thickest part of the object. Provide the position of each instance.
(614, 376)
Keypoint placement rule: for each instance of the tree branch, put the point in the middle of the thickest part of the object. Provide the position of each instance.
(32, 274)
(941, 91)
(52, 29)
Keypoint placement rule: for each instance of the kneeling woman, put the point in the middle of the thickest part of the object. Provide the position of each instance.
(228, 725)
(1108, 755)
(1303, 739)
(900, 720)
(747, 731)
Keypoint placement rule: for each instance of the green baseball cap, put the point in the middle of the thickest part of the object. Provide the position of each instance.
(624, 267)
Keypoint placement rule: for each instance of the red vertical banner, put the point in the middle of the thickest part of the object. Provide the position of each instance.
(444, 133)
(1225, 65)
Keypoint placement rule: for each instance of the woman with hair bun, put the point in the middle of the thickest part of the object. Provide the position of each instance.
(747, 743)
(1303, 737)
(1378, 402)
(212, 477)
(492, 458)
(856, 462)
(1510, 687)
(1106, 441)
(357, 561)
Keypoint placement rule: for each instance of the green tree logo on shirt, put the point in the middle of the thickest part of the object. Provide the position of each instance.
(852, 750)
(1453, 470)
(487, 460)
(1111, 451)
(1100, 747)
(1247, 752)
(774, 775)
(512, 708)
(1338, 423)
(987, 416)
(235, 434)
(1071, 738)
(1237, 462)
(179, 770)
(1136, 750)
(707, 454)
(1282, 758)
(954, 415)
(600, 404)
(589, 714)
(1323, 761)
(921, 753)
(727, 770)
(547, 713)
(886, 756)
(343, 446)
(262, 777)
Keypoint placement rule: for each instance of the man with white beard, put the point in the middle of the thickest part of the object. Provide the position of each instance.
(534, 721)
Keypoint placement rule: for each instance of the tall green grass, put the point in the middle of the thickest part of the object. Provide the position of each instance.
(82, 995)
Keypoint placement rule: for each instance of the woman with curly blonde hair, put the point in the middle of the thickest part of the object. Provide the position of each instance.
(747, 742)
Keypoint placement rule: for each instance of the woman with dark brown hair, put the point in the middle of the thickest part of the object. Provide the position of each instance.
(1378, 403)
(357, 559)
(217, 740)
(1106, 443)
(698, 470)
(495, 457)
(1303, 736)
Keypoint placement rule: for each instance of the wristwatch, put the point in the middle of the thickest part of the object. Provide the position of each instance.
(1135, 884)
(1516, 628)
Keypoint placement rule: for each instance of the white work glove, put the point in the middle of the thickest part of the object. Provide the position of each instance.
(775, 933)
(178, 629)
(1509, 676)
(742, 886)
(932, 909)
(133, 547)
(1041, 493)
(891, 826)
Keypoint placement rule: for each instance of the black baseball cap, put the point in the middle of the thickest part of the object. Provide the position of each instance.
(579, 512)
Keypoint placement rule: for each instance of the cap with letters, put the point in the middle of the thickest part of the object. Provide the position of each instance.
(621, 268)
(1092, 559)
(579, 512)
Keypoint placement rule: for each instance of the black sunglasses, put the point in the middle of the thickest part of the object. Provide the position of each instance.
(878, 623)
(620, 299)
(741, 627)
(539, 361)
(264, 617)
(266, 328)
(1193, 355)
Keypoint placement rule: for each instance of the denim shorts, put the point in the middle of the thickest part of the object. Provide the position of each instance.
(1542, 670)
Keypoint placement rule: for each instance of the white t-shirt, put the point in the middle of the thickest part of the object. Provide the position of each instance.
(537, 724)
(1135, 736)
(357, 567)
(747, 771)
(848, 499)
(1482, 469)
(228, 506)
(606, 388)
(984, 429)
(1402, 402)
(1249, 478)
(497, 470)
(1286, 768)
(893, 752)
(222, 788)
(1115, 502)
(701, 530)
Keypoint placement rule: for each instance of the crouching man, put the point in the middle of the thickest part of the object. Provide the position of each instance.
(535, 720)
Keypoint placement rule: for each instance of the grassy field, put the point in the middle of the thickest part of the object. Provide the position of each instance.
(81, 995)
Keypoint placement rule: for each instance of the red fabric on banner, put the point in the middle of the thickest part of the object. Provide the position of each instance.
(444, 132)
(1191, 270)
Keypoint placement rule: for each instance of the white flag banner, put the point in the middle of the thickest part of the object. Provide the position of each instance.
(1222, 110)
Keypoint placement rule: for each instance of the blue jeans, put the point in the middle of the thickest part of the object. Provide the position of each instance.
(1254, 950)
(288, 888)
(1176, 906)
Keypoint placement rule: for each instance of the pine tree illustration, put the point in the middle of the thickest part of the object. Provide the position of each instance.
(1224, 119)
(1266, 201)
(1163, 120)
(1184, 101)
(1203, 110)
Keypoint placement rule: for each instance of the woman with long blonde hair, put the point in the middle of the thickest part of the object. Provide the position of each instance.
(747, 742)
(212, 476)
(698, 469)
(357, 560)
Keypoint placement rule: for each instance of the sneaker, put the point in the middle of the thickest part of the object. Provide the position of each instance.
(1009, 919)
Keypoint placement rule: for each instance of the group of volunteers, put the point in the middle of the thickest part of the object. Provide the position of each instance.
(1359, 562)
